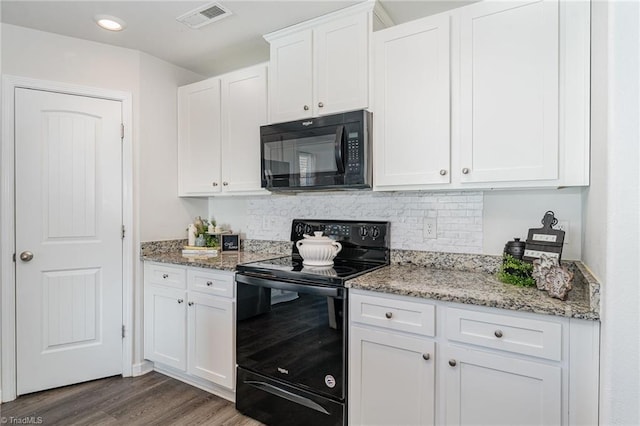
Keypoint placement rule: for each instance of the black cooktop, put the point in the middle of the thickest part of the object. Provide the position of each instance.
(365, 247)
(291, 268)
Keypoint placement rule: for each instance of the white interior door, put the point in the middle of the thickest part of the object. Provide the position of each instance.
(68, 208)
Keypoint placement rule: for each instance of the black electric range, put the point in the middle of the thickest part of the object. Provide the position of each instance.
(291, 322)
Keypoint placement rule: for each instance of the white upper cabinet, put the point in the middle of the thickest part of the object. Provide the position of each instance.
(244, 110)
(199, 138)
(412, 119)
(321, 66)
(291, 77)
(219, 123)
(514, 77)
(509, 91)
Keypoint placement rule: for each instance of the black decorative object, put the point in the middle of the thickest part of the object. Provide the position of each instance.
(229, 242)
(515, 248)
(544, 240)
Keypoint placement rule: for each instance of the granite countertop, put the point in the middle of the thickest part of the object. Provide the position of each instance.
(170, 252)
(480, 288)
(461, 278)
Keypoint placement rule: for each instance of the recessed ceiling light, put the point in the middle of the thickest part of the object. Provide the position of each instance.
(110, 23)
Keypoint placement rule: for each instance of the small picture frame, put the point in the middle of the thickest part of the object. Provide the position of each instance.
(229, 242)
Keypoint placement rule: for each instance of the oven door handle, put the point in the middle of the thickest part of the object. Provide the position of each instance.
(339, 148)
(336, 292)
(274, 390)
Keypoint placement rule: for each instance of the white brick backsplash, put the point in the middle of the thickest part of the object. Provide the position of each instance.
(458, 216)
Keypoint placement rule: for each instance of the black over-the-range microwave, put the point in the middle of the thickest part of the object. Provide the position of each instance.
(325, 153)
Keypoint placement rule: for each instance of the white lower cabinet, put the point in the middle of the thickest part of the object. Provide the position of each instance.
(488, 389)
(420, 362)
(188, 326)
(392, 378)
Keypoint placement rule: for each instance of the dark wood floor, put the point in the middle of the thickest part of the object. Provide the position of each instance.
(152, 399)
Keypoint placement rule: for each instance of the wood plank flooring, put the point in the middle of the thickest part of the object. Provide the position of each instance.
(152, 399)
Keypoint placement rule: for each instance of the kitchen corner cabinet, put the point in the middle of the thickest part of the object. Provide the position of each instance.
(519, 98)
(320, 67)
(219, 123)
(189, 323)
(492, 366)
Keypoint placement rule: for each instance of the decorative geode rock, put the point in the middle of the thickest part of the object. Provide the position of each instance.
(552, 277)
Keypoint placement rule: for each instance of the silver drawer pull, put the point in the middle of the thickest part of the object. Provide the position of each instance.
(165, 276)
(426, 356)
(498, 333)
(190, 303)
(180, 300)
(452, 362)
(388, 315)
(209, 283)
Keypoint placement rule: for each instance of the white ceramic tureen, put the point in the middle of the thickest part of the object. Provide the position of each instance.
(318, 250)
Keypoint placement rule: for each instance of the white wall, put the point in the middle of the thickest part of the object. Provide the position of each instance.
(613, 205)
(162, 214)
(509, 214)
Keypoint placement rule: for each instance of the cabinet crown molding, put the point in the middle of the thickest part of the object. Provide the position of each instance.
(366, 6)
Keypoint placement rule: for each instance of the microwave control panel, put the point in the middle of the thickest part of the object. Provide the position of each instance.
(354, 156)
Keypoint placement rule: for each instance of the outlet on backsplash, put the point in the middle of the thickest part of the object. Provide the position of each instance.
(563, 225)
(429, 230)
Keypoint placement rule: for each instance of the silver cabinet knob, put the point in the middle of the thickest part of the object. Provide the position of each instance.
(180, 300)
(165, 276)
(320, 104)
(465, 171)
(306, 107)
(214, 184)
(26, 256)
(498, 333)
(190, 303)
(452, 362)
(225, 183)
(209, 283)
(388, 315)
(443, 172)
(426, 356)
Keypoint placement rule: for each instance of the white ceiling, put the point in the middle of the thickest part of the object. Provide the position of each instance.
(230, 43)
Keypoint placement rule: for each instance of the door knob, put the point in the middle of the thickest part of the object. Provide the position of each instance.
(26, 256)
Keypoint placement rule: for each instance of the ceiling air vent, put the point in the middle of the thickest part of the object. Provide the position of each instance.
(204, 15)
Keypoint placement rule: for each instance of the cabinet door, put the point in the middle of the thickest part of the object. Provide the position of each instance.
(199, 138)
(291, 77)
(244, 110)
(390, 381)
(165, 326)
(487, 389)
(509, 91)
(412, 119)
(342, 65)
(211, 339)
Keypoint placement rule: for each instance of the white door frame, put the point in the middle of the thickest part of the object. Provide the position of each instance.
(7, 222)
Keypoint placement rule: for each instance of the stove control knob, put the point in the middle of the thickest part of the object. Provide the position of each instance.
(299, 229)
(308, 230)
(364, 231)
(375, 232)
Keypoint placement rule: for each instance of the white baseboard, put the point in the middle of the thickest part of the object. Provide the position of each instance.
(142, 368)
(197, 382)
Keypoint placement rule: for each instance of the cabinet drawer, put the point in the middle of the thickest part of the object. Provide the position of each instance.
(217, 283)
(171, 276)
(521, 335)
(393, 314)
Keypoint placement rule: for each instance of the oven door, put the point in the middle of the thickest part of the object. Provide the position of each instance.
(293, 333)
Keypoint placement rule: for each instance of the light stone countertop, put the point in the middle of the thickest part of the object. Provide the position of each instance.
(461, 278)
(475, 288)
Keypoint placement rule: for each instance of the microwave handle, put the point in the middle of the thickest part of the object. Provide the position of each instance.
(338, 146)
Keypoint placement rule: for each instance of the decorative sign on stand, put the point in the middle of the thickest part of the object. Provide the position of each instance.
(229, 242)
(545, 240)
